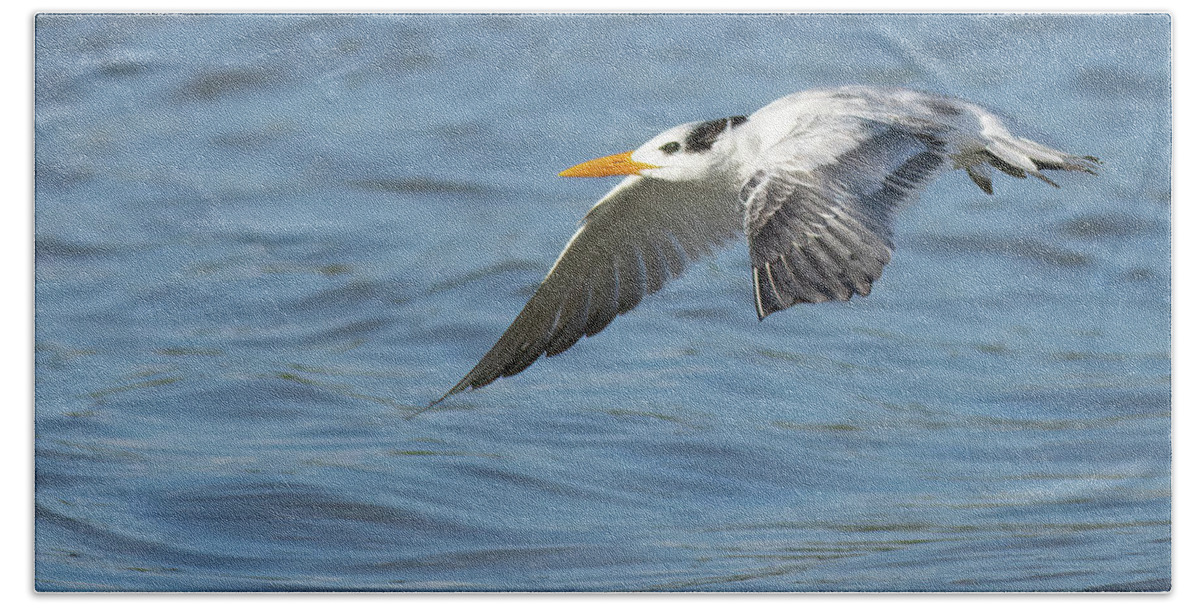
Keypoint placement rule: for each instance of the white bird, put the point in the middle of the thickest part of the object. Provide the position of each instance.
(812, 180)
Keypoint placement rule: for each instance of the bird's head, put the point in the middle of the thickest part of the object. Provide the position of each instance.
(681, 153)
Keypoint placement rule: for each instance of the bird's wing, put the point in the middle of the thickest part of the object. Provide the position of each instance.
(639, 236)
(819, 203)
(818, 213)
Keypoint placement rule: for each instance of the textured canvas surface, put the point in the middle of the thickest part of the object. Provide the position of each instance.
(263, 242)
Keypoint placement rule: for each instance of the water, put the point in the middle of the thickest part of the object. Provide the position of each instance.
(263, 241)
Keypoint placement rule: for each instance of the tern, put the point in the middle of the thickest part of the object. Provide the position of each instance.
(812, 181)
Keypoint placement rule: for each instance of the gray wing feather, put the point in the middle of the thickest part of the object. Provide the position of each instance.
(638, 237)
(819, 209)
(825, 233)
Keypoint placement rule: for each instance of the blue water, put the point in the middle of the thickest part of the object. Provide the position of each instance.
(262, 242)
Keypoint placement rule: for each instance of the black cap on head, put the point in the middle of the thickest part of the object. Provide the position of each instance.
(702, 137)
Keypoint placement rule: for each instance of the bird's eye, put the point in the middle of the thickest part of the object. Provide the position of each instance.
(670, 148)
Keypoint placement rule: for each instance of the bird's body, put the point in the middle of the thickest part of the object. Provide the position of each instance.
(812, 181)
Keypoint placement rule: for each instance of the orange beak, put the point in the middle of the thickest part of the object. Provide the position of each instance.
(617, 164)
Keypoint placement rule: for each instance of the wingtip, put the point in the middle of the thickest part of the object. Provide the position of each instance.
(458, 388)
(435, 402)
(429, 406)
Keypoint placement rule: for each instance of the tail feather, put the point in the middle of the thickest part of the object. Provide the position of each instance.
(1020, 157)
(981, 174)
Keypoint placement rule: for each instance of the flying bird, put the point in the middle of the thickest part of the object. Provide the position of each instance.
(812, 180)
